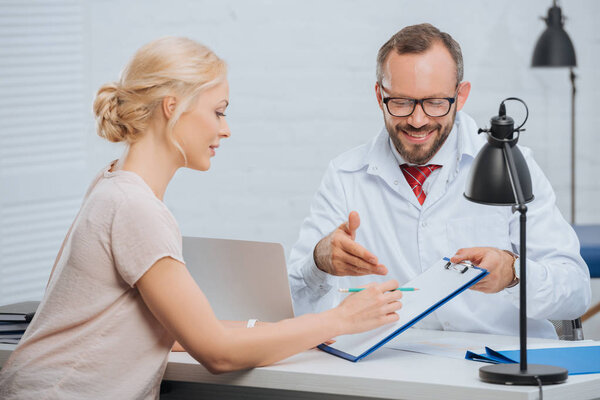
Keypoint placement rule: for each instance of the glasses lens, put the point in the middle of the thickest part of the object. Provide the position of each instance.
(436, 107)
(400, 107)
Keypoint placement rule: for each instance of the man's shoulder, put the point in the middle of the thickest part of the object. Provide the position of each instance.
(357, 157)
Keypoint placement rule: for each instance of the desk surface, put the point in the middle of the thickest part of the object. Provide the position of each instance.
(385, 374)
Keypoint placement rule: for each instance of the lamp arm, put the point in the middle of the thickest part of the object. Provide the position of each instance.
(522, 208)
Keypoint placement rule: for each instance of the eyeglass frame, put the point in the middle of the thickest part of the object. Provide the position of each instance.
(450, 100)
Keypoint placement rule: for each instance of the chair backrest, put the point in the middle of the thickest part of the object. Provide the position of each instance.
(568, 329)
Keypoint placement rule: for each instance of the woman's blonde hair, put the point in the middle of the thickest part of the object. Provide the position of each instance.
(170, 66)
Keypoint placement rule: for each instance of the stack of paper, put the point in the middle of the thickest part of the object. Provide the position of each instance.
(14, 320)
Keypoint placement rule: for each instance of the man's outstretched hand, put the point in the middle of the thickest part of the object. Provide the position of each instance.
(338, 254)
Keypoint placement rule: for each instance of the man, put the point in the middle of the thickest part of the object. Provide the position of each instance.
(395, 205)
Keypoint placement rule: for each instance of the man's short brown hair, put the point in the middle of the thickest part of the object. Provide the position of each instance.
(417, 39)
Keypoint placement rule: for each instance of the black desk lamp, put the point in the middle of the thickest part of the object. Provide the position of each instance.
(500, 176)
(555, 49)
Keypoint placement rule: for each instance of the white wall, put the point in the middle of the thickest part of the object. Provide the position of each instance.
(302, 76)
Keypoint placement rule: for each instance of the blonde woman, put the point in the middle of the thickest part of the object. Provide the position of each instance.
(119, 295)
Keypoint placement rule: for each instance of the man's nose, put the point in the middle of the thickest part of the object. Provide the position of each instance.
(418, 118)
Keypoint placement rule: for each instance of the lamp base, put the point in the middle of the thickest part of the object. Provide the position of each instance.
(511, 374)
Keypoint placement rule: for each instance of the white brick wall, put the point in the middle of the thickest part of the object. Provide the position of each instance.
(302, 76)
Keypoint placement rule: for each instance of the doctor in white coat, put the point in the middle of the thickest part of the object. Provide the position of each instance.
(395, 205)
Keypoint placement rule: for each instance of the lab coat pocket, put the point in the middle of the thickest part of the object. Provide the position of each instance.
(489, 230)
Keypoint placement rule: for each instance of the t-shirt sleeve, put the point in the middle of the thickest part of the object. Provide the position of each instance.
(143, 231)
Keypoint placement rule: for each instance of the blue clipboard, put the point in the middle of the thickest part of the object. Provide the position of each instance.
(437, 285)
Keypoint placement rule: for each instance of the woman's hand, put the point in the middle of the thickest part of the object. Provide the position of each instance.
(370, 308)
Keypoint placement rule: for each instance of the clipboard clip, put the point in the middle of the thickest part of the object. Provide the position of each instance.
(460, 267)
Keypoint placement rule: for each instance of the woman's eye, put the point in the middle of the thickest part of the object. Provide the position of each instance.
(220, 114)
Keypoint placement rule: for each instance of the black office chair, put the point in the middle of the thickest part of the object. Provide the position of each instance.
(568, 329)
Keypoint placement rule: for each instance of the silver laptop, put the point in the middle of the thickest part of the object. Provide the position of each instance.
(241, 279)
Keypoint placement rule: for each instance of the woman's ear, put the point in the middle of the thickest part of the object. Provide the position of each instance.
(168, 106)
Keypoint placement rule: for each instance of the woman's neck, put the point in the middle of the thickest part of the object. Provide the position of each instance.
(154, 160)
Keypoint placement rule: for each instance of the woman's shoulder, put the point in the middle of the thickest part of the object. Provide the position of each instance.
(123, 190)
(133, 197)
(135, 200)
(121, 198)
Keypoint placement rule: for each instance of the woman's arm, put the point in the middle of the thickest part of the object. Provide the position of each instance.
(178, 303)
(226, 324)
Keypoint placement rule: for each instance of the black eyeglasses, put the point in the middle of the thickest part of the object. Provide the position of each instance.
(433, 106)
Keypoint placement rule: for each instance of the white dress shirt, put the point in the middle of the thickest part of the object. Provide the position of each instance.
(408, 237)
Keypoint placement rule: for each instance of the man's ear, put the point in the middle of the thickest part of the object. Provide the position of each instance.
(463, 93)
(168, 106)
(379, 95)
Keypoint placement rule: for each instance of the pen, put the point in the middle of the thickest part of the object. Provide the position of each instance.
(401, 289)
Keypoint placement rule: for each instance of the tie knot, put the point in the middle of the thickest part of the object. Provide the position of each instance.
(415, 176)
(418, 173)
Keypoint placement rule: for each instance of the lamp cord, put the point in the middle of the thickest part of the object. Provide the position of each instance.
(526, 110)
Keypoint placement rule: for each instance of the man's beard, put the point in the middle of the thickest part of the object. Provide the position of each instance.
(417, 153)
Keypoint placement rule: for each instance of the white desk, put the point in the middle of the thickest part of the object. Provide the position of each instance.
(385, 374)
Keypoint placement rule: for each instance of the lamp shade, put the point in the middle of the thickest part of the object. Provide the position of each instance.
(489, 179)
(554, 48)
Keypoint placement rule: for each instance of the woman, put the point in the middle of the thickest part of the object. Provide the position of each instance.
(119, 294)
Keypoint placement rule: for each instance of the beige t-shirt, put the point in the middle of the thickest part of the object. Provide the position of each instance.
(93, 337)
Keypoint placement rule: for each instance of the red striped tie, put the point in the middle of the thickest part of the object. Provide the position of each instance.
(415, 176)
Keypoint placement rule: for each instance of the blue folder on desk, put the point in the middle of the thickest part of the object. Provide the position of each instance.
(437, 285)
(577, 360)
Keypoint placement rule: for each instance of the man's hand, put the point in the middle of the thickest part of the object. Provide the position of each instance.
(498, 262)
(338, 253)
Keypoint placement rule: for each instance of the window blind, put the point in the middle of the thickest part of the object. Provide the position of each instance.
(42, 138)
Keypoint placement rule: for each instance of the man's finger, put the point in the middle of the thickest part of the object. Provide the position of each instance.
(355, 249)
(472, 254)
(381, 269)
(357, 261)
(353, 224)
(346, 269)
(480, 286)
(476, 288)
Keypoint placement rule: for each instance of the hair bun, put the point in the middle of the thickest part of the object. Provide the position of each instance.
(106, 109)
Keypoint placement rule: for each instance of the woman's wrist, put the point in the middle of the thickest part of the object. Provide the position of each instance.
(333, 322)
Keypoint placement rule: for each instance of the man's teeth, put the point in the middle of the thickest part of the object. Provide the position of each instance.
(418, 135)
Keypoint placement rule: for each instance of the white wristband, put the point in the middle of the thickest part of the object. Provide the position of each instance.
(251, 323)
